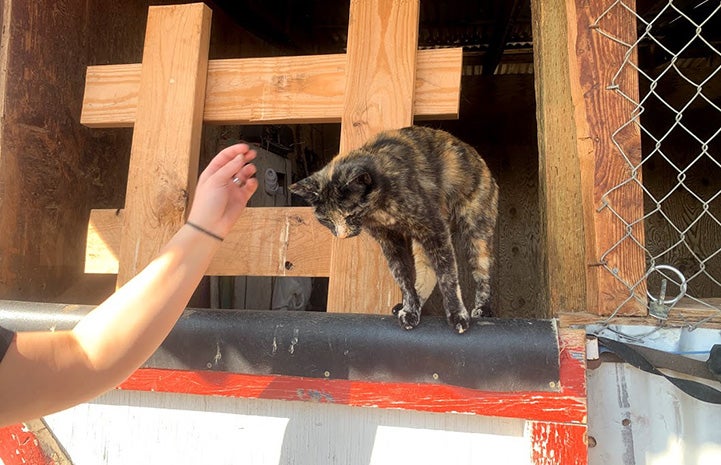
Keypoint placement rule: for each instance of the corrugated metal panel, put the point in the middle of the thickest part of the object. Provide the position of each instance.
(635, 418)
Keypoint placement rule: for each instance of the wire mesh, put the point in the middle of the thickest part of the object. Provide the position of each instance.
(677, 56)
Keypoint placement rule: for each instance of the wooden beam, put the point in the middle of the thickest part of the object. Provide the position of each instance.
(263, 96)
(579, 162)
(382, 44)
(168, 124)
(45, 167)
(268, 241)
(684, 313)
(569, 406)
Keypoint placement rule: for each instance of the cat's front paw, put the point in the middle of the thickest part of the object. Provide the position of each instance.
(460, 321)
(407, 318)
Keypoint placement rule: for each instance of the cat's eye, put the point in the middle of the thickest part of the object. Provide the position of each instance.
(327, 223)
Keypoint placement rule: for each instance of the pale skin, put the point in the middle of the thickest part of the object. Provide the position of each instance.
(44, 372)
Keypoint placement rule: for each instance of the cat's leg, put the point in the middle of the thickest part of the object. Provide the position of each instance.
(398, 253)
(480, 253)
(425, 276)
(477, 236)
(439, 250)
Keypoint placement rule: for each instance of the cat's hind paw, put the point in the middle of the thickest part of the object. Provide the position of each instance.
(483, 311)
(460, 322)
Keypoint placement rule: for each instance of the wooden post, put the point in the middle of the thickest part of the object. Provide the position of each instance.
(166, 138)
(579, 163)
(382, 43)
(382, 83)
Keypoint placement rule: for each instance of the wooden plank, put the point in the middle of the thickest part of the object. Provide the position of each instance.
(567, 405)
(599, 113)
(558, 443)
(20, 445)
(381, 57)
(686, 312)
(579, 162)
(166, 140)
(273, 241)
(562, 221)
(46, 171)
(307, 89)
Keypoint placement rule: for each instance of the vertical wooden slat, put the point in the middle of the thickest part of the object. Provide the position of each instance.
(381, 64)
(166, 138)
(579, 163)
(558, 443)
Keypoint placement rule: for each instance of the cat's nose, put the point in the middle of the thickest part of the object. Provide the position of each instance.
(340, 231)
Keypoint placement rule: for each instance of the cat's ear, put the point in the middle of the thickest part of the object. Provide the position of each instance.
(307, 189)
(360, 180)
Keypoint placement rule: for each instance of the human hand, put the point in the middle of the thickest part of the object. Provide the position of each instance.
(218, 200)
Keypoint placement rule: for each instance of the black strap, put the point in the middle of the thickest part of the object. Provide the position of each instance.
(714, 362)
(695, 389)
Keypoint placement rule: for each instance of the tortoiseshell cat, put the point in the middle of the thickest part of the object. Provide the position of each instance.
(411, 189)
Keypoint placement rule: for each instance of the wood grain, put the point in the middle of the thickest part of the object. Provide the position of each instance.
(307, 89)
(686, 312)
(381, 65)
(600, 112)
(562, 225)
(266, 241)
(580, 162)
(166, 139)
(558, 444)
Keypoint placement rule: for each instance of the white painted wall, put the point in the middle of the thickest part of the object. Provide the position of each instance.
(136, 428)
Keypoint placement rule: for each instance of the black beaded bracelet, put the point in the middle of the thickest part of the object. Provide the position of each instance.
(203, 230)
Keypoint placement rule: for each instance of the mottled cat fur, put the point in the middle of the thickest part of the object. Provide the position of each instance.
(411, 189)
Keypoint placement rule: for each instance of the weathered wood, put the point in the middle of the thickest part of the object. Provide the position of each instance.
(599, 114)
(562, 226)
(379, 94)
(382, 44)
(686, 312)
(166, 138)
(558, 443)
(568, 405)
(261, 96)
(579, 162)
(45, 179)
(268, 241)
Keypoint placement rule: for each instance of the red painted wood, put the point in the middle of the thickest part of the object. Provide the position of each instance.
(20, 447)
(568, 405)
(558, 444)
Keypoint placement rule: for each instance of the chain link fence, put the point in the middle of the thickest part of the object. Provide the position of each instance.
(677, 55)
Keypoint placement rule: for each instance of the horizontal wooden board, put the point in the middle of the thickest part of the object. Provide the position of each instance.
(686, 312)
(268, 241)
(567, 406)
(308, 89)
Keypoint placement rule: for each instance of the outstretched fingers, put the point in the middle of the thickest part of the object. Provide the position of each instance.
(229, 160)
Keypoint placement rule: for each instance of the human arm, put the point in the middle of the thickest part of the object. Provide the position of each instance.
(43, 372)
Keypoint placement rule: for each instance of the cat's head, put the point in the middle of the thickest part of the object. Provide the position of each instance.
(341, 194)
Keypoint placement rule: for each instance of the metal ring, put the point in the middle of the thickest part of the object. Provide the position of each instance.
(237, 181)
(682, 286)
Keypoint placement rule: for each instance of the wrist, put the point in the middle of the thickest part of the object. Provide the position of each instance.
(204, 231)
